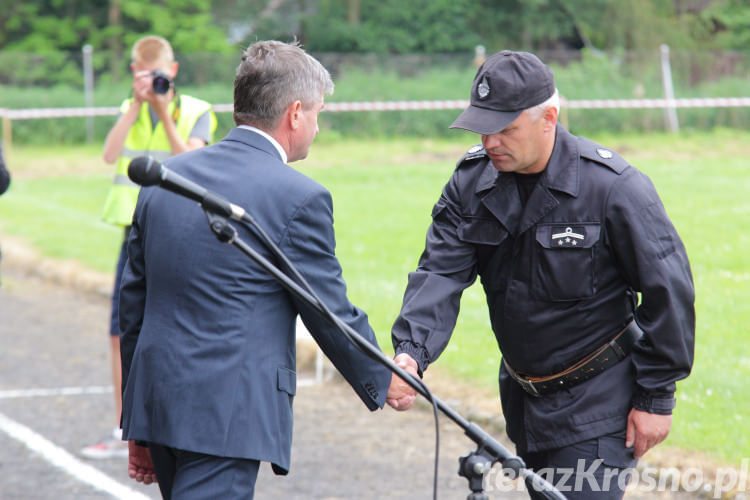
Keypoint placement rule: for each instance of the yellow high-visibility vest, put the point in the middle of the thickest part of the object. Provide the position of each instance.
(145, 139)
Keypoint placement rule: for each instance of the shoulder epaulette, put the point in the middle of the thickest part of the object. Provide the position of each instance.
(473, 153)
(592, 151)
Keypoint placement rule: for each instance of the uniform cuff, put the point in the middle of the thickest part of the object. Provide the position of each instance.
(418, 352)
(659, 405)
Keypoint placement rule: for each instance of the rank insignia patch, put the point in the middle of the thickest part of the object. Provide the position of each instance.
(568, 236)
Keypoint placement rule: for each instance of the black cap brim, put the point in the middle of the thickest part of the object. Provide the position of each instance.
(484, 121)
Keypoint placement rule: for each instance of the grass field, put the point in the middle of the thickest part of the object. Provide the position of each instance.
(383, 192)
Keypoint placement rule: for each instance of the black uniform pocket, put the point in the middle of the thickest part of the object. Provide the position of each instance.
(564, 268)
(612, 451)
(490, 241)
(481, 231)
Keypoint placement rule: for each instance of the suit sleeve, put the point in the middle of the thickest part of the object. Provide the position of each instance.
(132, 296)
(310, 246)
(654, 263)
(432, 298)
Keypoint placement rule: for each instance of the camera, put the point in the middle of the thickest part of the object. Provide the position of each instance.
(161, 82)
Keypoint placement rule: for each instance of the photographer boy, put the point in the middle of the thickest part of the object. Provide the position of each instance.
(155, 121)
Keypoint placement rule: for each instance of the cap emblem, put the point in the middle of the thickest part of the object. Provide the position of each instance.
(483, 89)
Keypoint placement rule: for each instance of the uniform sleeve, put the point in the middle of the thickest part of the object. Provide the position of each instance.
(4, 174)
(132, 296)
(310, 246)
(654, 263)
(433, 292)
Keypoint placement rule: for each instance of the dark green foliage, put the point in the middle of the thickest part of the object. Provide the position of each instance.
(381, 50)
(393, 26)
(375, 77)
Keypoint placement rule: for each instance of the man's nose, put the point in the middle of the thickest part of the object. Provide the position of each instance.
(491, 141)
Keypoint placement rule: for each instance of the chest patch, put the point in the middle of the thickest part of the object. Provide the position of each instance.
(568, 236)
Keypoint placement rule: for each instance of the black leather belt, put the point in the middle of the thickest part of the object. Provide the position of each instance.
(606, 356)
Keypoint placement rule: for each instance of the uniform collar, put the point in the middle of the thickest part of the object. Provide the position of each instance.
(563, 169)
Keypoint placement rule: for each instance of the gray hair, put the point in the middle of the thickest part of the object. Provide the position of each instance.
(536, 112)
(270, 77)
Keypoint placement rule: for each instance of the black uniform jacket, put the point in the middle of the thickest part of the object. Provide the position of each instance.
(4, 174)
(558, 274)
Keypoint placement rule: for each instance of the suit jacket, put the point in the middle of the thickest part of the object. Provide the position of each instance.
(208, 336)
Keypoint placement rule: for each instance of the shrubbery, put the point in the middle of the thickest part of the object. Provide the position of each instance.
(418, 77)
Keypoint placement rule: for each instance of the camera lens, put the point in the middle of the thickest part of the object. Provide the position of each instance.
(161, 82)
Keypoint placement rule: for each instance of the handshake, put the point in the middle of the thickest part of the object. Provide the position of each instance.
(401, 396)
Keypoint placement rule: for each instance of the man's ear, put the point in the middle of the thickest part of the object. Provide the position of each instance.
(294, 114)
(550, 118)
(174, 68)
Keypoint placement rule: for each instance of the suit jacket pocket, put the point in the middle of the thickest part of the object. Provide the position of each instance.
(286, 380)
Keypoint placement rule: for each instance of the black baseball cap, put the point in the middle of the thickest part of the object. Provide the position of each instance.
(505, 85)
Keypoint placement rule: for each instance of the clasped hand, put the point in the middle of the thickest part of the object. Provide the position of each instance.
(401, 396)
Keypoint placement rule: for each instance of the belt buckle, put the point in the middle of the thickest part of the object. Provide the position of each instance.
(528, 386)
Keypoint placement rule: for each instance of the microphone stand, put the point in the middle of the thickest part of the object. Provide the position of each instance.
(473, 466)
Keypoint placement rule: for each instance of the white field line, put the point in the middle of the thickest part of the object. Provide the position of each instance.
(60, 391)
(65, 461)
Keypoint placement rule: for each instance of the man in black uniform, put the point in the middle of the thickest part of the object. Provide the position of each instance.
(564, 235)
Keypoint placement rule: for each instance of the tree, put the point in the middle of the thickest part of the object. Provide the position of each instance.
(391, 26)
(729, 22)
(111, 26)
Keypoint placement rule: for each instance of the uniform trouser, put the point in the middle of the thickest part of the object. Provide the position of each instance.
(598, 468)
(184, 475)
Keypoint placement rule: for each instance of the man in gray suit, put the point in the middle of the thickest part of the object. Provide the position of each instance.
(208, 337)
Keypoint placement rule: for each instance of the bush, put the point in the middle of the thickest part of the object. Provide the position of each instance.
(369, 77)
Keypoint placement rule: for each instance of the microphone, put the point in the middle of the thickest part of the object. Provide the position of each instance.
(146, 171)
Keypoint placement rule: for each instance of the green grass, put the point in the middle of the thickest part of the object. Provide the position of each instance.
(383, 192)
(704, 182)
(55, 201)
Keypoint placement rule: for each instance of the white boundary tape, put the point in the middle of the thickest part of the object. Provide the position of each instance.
(65, 461)
(707, 102)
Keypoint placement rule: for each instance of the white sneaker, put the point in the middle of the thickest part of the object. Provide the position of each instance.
(110, 447)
